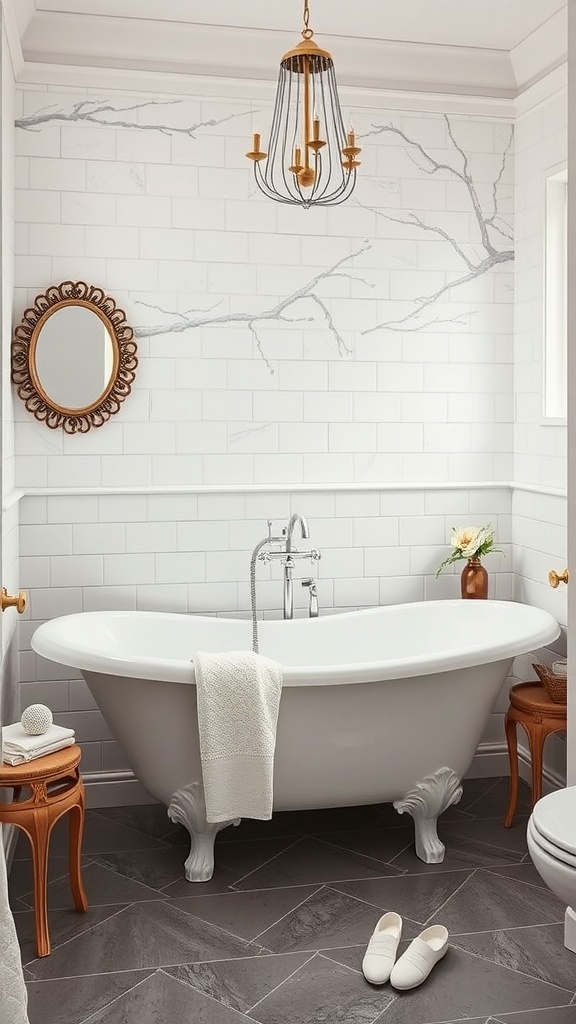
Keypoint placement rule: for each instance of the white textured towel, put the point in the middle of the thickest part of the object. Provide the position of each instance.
(238, 696)
(18, 746)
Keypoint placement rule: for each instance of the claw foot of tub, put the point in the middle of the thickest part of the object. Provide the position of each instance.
(425, 803)
(187, 808)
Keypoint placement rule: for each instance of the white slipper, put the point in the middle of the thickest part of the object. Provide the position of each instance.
(381, 952)
(422, 954)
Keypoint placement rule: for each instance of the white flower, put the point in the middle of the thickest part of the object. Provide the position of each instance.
(467, 540)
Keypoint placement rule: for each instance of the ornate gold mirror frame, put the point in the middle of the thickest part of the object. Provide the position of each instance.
(24, 350)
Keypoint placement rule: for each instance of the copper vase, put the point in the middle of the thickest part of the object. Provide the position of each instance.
(474, 580)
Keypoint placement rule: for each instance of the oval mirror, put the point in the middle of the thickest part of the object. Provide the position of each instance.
(73, 357)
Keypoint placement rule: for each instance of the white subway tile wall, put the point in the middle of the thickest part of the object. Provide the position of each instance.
(539, 520)
(376, 548)
(317, 341)
(277, 347)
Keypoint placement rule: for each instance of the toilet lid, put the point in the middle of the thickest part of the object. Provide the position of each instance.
(550, 848)
(554, 817)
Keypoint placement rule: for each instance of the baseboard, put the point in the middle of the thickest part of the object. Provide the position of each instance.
(551, 779)
(490, 760)
(114, 789)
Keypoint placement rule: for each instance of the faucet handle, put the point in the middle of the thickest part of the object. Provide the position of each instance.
(264, 556)
(309, 583)
(315, 555)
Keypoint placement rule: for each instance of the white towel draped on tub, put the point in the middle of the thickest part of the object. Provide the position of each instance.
(238, 696)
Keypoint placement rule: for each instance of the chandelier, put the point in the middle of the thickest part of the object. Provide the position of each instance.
(311, 158)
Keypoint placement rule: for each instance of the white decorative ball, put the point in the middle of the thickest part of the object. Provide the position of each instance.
(36, 719)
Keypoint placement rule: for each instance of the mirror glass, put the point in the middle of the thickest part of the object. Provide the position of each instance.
(74, 357)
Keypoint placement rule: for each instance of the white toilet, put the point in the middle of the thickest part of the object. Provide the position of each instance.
(552, 844)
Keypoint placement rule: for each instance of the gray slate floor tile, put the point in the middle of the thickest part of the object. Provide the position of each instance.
(488, 830)
(525, 872)
(473, 790)
(142, 936)
(63, 925)
(312, 861)
(494, 802)
(245, 913)
(487, 901)
(163, 1000)
(566, 1015)
(326, 919)
(240, 983)
(461, 852)
(307, 888)
(21, 880)
(221, 882)
(538, 951)
(159, 869)
(463, 986)
(380, 844)
(65, 1001)
(248, 856)
(150, 819)
(415, 896)
(337, 819)
(348, 956)
(100, 836)
(319, 992)
(103, 886)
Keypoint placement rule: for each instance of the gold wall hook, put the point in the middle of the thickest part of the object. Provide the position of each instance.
(555, 578)
(18, 602)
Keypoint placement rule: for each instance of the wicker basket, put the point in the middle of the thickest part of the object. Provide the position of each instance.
(555, 685)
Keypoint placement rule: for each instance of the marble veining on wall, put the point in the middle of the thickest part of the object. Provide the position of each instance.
(368, 342)
(480, 258)
(104, 113)
(483, 257)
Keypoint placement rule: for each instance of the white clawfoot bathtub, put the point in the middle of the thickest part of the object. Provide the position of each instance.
(384, 704)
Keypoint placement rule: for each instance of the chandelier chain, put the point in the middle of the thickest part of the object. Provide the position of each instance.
(307, 32)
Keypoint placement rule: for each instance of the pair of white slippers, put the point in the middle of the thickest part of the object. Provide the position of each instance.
(413, 967)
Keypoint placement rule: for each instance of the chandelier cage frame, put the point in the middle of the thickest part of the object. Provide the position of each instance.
(312, 157)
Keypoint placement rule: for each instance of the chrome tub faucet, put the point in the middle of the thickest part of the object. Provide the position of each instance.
(287, 555)
(312, 597)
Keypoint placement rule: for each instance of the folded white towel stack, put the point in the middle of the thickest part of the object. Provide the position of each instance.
(238, 696)
(18, 746)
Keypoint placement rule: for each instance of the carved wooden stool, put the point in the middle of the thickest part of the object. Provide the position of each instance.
(55, 788)
(540, 716)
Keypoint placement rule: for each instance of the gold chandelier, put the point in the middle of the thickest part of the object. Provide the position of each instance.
(311, 158)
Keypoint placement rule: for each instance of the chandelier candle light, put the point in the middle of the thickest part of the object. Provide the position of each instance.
(311, 158)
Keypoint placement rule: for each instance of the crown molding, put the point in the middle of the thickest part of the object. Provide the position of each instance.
(11, 29)
(104, 80)
(542, 91)
(167, 48)
(541, 52)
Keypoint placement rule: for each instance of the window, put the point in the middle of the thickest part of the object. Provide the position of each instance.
(555, 296)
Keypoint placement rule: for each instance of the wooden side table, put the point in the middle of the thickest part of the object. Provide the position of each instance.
(532, 707)
(56, 787)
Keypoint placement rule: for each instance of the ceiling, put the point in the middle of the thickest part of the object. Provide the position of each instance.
(494, 24)
(425, 44)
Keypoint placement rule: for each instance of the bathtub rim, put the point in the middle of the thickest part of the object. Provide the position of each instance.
(48, 645)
